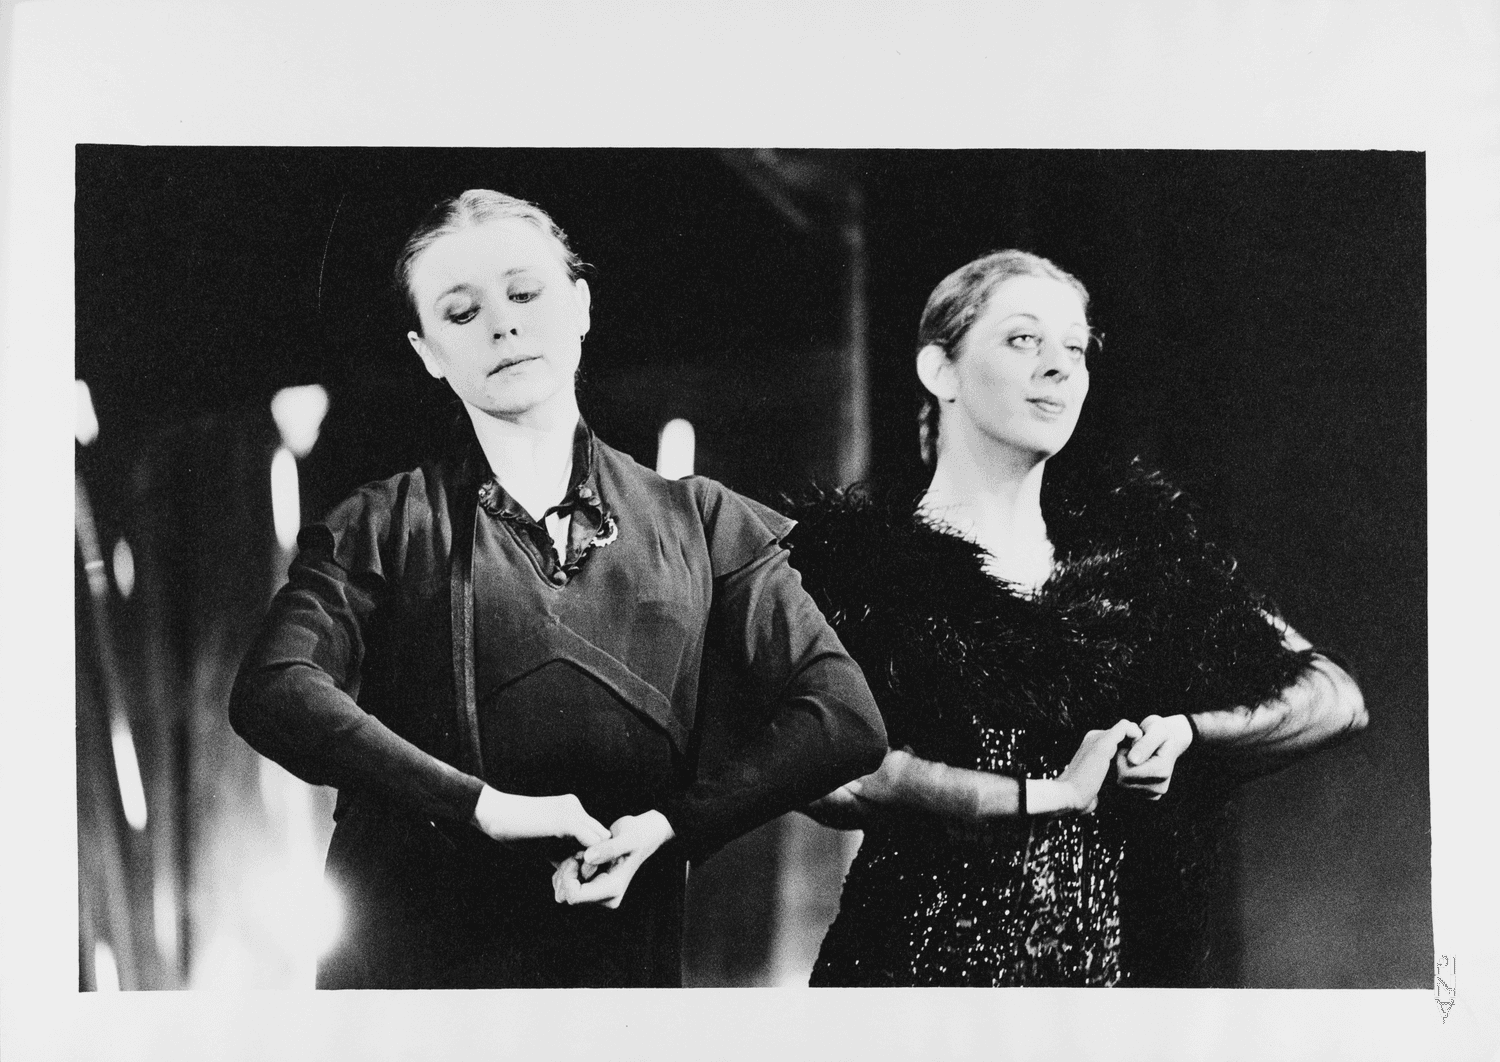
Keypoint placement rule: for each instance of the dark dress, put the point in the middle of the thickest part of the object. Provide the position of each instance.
(408, 665)
(1140, 616)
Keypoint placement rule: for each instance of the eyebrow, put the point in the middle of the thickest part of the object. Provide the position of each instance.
(1033, 317)
(463, 288)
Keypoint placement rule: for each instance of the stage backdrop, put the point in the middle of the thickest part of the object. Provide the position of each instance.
(1264, 346)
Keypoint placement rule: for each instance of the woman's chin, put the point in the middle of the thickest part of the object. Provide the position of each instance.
(1033, 449)
(1049, 444)
(517, 402)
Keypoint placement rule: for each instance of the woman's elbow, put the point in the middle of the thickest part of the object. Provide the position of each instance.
(1346, 706)
(871, 754)
(1354, 706)
(253, 706)
(868, 742)
(245, 701)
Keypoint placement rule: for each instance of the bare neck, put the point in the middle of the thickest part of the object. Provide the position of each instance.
(532, 458)
(992, 495)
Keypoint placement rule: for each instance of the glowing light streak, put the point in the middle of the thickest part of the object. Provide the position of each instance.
(299, 412)
(305, 906)
(325, 917)
(86, 430)
(164, 914)
(286, 504)
(106, 973)
(675, 449)
(124, 565)
(128, 773)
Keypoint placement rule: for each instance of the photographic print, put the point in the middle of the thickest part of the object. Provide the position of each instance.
(625, 497)
(1258, 345)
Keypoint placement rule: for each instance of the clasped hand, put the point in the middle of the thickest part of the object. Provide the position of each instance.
(1145, 765)
(602, 869)
(1143, 758)
(602, 872)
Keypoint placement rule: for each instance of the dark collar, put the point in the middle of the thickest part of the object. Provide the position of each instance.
(591, 526)
(583, 487)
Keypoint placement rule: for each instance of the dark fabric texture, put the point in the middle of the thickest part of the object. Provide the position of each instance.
(1140, 616)
(354, 682)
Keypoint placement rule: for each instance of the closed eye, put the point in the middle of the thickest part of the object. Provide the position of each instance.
(463, 316)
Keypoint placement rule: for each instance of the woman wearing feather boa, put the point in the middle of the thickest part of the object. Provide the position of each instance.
(1026, 640)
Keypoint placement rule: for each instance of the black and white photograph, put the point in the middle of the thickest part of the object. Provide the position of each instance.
(767, 563)
(1246, 370)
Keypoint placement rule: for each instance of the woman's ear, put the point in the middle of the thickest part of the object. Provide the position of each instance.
(936, 371)
(424, 352)
(581, 286)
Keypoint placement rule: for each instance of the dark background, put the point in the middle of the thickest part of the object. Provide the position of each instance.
(1263, 315)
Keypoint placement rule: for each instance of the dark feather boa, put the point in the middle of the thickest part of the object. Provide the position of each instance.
(1141, 616)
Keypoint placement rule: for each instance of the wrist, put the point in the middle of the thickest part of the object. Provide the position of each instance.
(484, 810)
(1049, 796)
(658, 827)
(509, 816)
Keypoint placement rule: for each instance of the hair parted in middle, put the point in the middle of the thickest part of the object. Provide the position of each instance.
(956, 303)
(455, 213)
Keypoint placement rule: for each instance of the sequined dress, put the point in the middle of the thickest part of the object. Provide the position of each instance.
(1139, 616)
(933, 904)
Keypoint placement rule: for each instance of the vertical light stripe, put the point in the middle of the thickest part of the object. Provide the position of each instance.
(128, 773)
(286, 503)
(675, 449)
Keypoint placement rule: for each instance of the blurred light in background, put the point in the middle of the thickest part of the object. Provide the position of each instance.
(124, 564)
(299, 412)
(128, 771)
(299, 901)
(325, 916)
(675, 449)
(814, 859)
(106, 973)
(93, 568)
(286, 502)
(271, 787)
(164, 913)
(87, 428)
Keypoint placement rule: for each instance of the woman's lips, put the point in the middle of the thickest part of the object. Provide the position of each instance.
(1050, 406)
(509, 362)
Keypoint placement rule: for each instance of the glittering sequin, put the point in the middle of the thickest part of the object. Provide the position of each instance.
(1013, 904)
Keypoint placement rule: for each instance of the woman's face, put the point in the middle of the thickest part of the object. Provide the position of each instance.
(501, 320)
(1019, 376)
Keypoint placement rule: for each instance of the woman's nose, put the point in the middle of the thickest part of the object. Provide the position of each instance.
(1055, 360)
(503, 323)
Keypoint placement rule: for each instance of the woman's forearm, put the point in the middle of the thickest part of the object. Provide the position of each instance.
(297, 716)
(908, 782)
(824, 730)
(1323, 704)
(946, 791)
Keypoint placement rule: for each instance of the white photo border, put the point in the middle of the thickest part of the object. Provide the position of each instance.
(1404, 75)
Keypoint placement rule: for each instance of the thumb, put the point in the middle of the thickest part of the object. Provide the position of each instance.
(1126, 729)
(606, 851)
